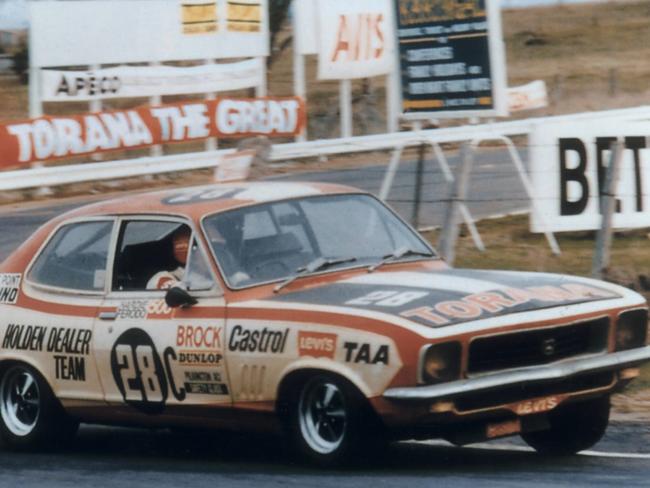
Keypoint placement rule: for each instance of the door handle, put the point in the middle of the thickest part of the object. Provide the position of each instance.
(107, 315)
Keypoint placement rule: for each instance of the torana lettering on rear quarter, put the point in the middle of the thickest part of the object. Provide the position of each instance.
(364, 353)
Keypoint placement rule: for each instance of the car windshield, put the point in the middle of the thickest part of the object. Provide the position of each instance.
(272, 241)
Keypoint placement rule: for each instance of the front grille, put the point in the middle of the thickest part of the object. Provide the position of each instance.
(540, 346)
(527, 391)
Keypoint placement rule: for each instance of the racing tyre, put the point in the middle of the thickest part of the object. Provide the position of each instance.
(574, 428)
(30, 416)
(328, 421)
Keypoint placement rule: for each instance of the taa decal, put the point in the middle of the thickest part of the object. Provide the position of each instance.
(143, 379)
(255, 340)
(9, 286)
(365, 353)
(316, 344)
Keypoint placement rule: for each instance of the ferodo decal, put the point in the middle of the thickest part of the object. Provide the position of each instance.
(356, 352)
(257, 340)
(199, 345)
(9, 287)
(69, 347)
(143, 379)
(316, 344)
(143, 309)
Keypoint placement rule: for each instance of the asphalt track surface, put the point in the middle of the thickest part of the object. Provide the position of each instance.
(118, 457)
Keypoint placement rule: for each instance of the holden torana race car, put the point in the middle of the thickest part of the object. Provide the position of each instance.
(308, 309)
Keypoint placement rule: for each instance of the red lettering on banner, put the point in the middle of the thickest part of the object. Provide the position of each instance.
(49, 138)
(359, 37)
(316, 344)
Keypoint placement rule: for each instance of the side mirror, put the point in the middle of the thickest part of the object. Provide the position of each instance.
(179, 297)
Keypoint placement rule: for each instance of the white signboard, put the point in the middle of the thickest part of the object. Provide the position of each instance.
(67, 33)
(304, 26)
(146, 81)
(569, 161)
(527, 97)
(355, 39)
(234, 167)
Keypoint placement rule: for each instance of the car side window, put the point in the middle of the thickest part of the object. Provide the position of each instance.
(75, 258)
(148, 255)
(198, 276)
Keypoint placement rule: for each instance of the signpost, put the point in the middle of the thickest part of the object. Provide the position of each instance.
(451, 58)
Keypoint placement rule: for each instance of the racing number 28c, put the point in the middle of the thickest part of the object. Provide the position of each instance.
(138, 364)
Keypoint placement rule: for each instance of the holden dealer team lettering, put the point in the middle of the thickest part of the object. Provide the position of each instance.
(69, 347)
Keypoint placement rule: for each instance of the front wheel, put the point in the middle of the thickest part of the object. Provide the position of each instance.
(327, 421)
(575, 427)
(30, 415)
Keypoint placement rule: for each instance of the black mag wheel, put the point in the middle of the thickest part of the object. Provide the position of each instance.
(30, 416)
(329, 421)
(573, 428)
(20, 401)
(322, 416)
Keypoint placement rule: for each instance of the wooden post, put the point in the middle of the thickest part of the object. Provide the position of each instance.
(607, 208)
(415, 218)
(451, 228)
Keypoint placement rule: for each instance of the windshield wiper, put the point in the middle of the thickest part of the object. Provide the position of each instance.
(317, 264)
(398, 254)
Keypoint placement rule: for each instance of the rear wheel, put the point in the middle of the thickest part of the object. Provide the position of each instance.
(328, 420)
(575, 427)
(30, 415)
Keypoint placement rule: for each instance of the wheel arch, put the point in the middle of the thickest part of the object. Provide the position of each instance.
(297, 376)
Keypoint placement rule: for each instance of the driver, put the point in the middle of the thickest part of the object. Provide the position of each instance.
(180, 247)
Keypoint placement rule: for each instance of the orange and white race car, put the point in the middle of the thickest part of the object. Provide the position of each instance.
(305, 308)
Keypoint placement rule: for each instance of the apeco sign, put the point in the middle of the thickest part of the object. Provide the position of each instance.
(48, 138)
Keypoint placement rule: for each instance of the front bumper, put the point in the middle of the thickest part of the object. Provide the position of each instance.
(536, 374)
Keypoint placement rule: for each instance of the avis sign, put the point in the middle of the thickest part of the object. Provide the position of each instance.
(569, 164)
(356, 39)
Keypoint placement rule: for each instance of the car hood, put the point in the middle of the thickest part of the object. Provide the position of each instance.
(447, 297)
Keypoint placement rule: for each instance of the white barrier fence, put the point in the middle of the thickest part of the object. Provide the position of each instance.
(66, 174)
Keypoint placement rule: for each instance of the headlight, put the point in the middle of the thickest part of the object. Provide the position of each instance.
(631, 329)
(440, 363)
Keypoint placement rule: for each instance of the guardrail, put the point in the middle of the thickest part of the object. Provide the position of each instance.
(66, 174)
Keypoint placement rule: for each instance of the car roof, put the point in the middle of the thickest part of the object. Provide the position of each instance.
(197, 201)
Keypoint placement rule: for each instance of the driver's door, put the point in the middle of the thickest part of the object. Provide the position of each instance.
(155, 359)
